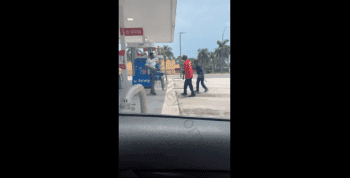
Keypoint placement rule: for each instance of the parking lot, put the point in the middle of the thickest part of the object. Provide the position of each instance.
(214, 104)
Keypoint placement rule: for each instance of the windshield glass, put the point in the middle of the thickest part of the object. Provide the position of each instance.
(174, 58)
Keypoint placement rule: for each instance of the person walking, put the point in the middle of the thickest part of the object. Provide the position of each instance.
(200, 77)
(189, 75)
(150, 63)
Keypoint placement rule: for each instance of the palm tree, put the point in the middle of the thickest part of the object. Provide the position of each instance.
(166, 52)
(178, 59)
(217, 57)
(212, 57)
(206, 56)
(223, 52)
(199, 57)
(203, 56)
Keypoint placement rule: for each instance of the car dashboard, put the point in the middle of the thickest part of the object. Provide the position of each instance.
(173, 146)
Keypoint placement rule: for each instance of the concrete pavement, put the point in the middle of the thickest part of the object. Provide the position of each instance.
(215, 103)
(163, 103)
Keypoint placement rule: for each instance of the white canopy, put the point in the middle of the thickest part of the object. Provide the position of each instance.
(156, 17)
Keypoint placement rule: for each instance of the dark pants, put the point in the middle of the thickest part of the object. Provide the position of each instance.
(202, 82)
(188, 82)
(152, 84)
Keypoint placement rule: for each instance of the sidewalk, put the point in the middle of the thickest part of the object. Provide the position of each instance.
(215, 103)
(163, 103)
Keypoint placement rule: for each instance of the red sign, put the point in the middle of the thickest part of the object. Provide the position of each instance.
(122, 66)
(131, 31)
(121, 53)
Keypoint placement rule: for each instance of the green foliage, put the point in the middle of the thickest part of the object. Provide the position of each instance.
(203, 56)
(166, 52)
(223, 52)
(207, 68)
(192, 60)
(178, 60)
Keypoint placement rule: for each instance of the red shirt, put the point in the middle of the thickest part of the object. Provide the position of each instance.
(188, 69)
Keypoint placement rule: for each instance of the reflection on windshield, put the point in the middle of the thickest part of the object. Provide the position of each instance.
(183, 71)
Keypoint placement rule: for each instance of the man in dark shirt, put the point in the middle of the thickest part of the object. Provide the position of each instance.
(200, 77)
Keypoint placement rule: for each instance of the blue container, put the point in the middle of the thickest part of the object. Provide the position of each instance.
(141, 73)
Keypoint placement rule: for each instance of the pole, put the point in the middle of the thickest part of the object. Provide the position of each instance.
(166, 72)
(222, 41)
(180, 54)
(180, 58)
(223, 35)
(133, 57)
(123, 47)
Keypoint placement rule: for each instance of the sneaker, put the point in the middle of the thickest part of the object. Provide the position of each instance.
(192, 95)
(197, 91)
(183, 94)
(153, 93)
(206, 90)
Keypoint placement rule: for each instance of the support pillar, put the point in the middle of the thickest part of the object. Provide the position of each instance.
(133, 57)
(125, 83)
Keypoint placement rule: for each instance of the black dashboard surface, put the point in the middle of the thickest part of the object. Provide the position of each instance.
(173, 143)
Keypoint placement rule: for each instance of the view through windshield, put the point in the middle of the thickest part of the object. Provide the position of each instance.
(174, 58)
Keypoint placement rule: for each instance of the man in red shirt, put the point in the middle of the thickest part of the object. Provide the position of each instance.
(189, 75)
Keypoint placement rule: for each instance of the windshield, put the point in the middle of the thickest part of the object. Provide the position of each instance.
(188, 73)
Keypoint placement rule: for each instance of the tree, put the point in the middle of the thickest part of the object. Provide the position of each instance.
(178, 59)
(203, 56)
(212, 56)
(192, 60)
(166, 52)
(217, 60)
(223, 52)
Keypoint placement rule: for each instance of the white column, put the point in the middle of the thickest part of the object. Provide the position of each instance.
(133, 57)
(122, 41)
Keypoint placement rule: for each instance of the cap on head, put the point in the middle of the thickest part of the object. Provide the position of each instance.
(184, 57)
(151, 54)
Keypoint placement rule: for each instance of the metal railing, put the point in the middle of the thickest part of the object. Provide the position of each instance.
(137, 89)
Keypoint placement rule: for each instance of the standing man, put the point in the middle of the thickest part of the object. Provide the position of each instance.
(151, 65)
(162, 77)
(189, 75)
(200, 77)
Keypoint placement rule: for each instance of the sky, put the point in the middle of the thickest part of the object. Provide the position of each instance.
(204, 22)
